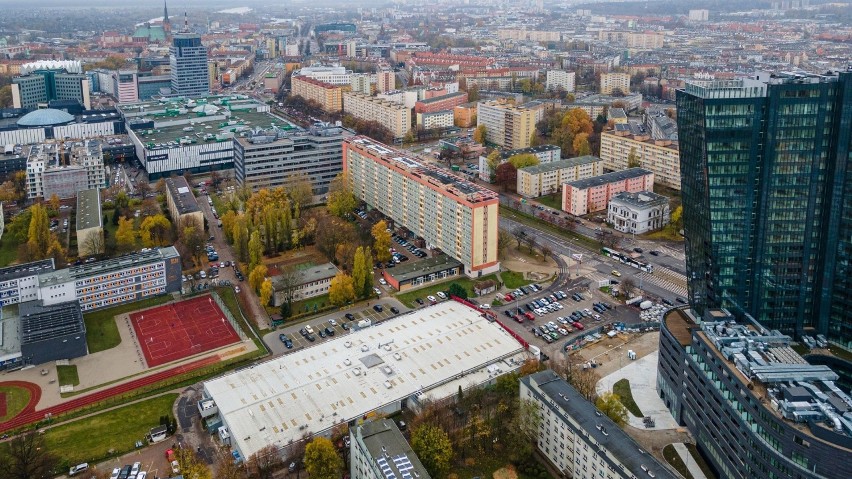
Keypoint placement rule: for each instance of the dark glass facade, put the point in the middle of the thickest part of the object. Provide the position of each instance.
(768, 201)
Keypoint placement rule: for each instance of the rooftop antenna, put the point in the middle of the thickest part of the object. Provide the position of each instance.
(185, 23)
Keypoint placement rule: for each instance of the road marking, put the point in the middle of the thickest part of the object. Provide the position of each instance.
(663, 283)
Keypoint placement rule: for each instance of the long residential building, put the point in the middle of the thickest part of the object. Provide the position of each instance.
(90, 226)
(506, 125)
(446, 211)
(593, 194)
(548, 178)
(660, 156)
(182, 204)
(393, 116)
(329, 96)
(274, 157)
(579, 440)
(56, 169)
(440, 103)
(754, 406)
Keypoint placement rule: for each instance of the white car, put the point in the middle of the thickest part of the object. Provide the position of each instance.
(442, 295)
(175, 467)
(237, 289)
(432, 299)
(378, 291)
(332, 322)
(115, 473)
(202, 274)
(135, 470)
(309, 329)
(485, 306)
(382, 281)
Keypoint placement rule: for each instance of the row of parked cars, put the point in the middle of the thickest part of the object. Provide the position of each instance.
(410, 247)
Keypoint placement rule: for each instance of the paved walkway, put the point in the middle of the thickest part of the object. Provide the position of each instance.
(691, 465)
(642, 374)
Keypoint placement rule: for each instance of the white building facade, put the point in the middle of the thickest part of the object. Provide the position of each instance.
(638, 213)
(560, 79)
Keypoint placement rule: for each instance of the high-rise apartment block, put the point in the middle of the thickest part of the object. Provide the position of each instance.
(273, 158)
(446, 211)
(188, 62)
(766, 200)
(610, 82)
(393, 116)
(660, 156)
(45, 81)
(506, 125)
(385, 81)
(560, 79)
(329, 97)
(699, 15)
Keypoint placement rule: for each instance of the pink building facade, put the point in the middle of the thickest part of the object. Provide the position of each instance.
(586, 196)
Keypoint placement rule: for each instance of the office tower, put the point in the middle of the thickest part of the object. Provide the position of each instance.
(768, 200)
(188, 60)
(44, 81)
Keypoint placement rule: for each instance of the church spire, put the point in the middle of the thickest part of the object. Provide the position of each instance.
(167, 24)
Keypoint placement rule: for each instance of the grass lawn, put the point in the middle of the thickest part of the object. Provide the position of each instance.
(67, 375)
(673, 458)
(91, 438)
(668, 234)
(16, 400)
(514, 279)
(8, 251)
(554, 201)
(101, 330)
(486, 466)
(311, 304)
(622, 389)
(407, 298)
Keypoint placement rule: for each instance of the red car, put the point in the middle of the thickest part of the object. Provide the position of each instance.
(578, 325)
(518, 318)
(529, 316)
(509, 297)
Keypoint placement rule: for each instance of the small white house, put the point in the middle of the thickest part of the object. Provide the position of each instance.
(638, 212)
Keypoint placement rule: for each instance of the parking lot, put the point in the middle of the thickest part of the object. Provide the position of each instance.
(569, 305)
(276, 342)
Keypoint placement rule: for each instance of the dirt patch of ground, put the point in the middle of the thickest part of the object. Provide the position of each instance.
(525, 264)
(611, 353)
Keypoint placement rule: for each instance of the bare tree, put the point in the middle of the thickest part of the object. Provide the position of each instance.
(503, 239)
(531, 243)
(227, 468)
(27, 457)
(519, 233)
(627, 286)
(546, 252)
(288, 280)
(263, 463)
(577, 373)
(93, 244)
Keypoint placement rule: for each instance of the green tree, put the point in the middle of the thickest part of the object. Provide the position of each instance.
(341, 201)
(26, 456)
(300, 189)
(381, 241)
(433, 447)
(257, 276)
(121, 200)
(535, 140)
(610, 404)
(457, 290)
(633, 160)
(480, 134)
(342, 289)
(581, 144)
(38, 236)
(677, 217)
(359, 270)
(116, 214)
(322, 460)
(367, 286)
(6, 96)
(255, 249)
(191, 466)
(523, 160)
(473, 93)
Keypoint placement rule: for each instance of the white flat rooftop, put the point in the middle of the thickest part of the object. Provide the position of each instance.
(313, 389)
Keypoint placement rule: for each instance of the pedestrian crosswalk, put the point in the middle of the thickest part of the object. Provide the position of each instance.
(679, 255)
(664, 282)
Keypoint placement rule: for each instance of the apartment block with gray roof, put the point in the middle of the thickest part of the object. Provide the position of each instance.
(380, 451)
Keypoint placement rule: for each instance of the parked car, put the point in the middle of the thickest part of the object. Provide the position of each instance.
(442, 295)
(432, 299)
(349, 316)
(378, 308)
(394, 310)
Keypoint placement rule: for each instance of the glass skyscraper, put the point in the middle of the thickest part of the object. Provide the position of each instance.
(768, 199)
(188, 61)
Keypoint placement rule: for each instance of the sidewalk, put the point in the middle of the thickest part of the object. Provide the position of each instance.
(642, 374)
(691, 465)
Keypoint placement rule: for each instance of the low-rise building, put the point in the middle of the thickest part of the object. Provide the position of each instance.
(379, 451)
(329, 96)
(579, 440)
(616, 115)
(90, 226)
(638, 213)
(593, 194)
(435, 119)
(51, 332)
(440, 103)
(412, 274)
(596, 105)
(547, 178)
(393, 116)
(544, 153)
(303, 284)
(660, 156)
(334, 75)
(182, 204)
(56, 169)
(275, 157)
(560, 79)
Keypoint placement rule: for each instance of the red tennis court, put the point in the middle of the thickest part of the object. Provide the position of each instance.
(175, 331)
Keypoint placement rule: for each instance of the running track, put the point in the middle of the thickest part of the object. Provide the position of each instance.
(30, 415)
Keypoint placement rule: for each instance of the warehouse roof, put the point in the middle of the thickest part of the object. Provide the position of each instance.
(313, 389)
